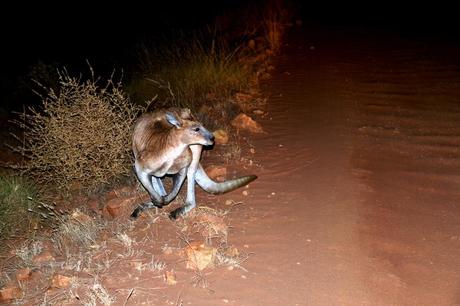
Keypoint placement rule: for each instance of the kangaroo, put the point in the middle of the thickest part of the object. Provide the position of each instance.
(170, 142)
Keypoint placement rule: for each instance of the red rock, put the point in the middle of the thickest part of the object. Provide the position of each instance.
(23, 274)
(170, 278)
(60, 281)
(221, 137)
(252, 44)
(244, 122)
(200, 256)
(118, 207)
(10, 293)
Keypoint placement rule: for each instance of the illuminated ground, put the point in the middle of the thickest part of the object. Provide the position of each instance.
(363, 154)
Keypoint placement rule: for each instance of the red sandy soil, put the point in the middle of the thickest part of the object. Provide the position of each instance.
(357, 201)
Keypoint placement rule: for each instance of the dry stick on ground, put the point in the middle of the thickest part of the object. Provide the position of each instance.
(129, 296)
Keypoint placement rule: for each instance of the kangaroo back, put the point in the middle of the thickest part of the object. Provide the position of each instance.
(152, 124)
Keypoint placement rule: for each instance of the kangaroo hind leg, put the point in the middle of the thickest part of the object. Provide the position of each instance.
(178, 181)
(154, 187)
(190, 201)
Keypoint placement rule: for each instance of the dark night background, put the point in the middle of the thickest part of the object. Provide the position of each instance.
(69, 33)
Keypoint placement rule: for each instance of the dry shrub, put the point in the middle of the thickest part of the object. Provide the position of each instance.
(198, 68)
(80, 137)
(71, 234)
(274, 21)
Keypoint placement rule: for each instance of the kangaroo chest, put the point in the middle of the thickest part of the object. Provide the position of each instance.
(181, 162)
(173, 164)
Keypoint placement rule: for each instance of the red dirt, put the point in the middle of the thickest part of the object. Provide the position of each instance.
(357, 201)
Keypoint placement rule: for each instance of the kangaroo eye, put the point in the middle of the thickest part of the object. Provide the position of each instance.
(196, 129)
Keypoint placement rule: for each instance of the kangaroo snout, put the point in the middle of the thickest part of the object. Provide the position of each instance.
(210, 137)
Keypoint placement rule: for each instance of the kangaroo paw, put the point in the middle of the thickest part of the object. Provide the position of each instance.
(136, 212)
(155, 203)
(144, 206)
(176, 213)
(158, 205)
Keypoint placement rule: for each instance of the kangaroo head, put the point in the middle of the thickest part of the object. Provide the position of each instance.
(190, 132)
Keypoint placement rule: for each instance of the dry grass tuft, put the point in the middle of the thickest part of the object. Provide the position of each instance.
(72, 234)
(273, 25)
(15, 195)
(80, 136)
(198, 69)
(231, 258)
(28, 249)
(98, 295)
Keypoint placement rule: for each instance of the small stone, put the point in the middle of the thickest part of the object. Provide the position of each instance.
(167, 250)
(252, 44)
(170, 278)
(200, 256)
(245, 193)
(23, 274)
(244, 122)
(60, 281)
(118, 207)
(220, 137)
(10, 293)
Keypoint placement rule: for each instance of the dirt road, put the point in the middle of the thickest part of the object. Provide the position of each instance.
(357, 201)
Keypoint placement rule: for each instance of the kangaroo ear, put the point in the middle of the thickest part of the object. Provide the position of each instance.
(171, 118)
(186, 113)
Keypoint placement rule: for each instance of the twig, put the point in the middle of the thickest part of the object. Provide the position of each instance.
(129, 296)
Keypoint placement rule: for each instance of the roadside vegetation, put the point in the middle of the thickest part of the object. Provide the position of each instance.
(16, 194)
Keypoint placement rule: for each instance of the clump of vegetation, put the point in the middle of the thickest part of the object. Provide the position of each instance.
(274, 20)
(80, 136)
(76, 231)
(15, 200)
(204, 69)
(190, 72)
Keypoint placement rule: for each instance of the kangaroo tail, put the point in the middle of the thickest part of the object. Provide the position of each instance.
(220, 187)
